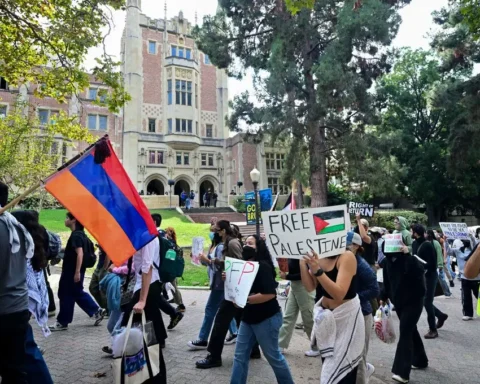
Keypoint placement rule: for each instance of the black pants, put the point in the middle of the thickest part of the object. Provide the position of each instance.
(164, 305)
(152, 313)
(226, 313)
(410, 349)
(469, 287)
(432, 311)
(13, 333)
(51, 298)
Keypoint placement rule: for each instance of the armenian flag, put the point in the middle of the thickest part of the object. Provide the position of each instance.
(329, 222)
(96, 189)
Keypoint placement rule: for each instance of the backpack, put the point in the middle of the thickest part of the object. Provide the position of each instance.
(172, 263)
(89, 256)
(54, 245)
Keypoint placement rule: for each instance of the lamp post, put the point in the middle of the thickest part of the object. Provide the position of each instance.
(171, 183)
(255, 176)
(239, 185)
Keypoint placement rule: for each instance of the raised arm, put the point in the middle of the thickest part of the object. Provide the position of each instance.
(363, 232)
(472, 267)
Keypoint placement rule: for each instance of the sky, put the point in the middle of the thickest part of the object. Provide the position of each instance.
(417, 22)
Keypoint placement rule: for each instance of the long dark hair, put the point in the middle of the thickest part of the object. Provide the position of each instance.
(78, 226)
(225, 225)
(30, 222)
(431, 235)
(263, 254)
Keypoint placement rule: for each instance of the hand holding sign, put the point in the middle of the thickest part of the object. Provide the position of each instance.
(312, 260)
(239, 278)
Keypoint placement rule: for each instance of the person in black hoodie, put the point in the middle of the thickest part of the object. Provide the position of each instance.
(426, 251)
(404, 285)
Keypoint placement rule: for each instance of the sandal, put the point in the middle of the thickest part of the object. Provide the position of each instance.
(107, 350)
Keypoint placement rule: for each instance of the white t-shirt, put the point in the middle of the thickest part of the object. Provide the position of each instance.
(144, 260)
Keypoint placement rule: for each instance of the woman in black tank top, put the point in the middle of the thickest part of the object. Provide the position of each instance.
(339, 329)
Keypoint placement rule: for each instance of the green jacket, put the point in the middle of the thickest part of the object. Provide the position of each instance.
(406, 236)
(438, 249)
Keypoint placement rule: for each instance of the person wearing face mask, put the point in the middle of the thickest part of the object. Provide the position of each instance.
(404, 284)
(261, 318)
(217, 292)
(401, 226)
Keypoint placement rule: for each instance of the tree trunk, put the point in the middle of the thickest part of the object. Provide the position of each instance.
(300, 195)
(434, 214)
(318, 165)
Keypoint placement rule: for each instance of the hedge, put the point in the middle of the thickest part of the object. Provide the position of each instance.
(385, 218)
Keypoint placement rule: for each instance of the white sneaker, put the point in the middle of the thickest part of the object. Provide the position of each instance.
(312, 353)
(99, 316)
(467, 318)
(58, 327)
(370, 370)
(400, 379)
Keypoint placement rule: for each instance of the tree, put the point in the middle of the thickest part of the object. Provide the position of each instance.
(313, 69)
(418, 132)
(46, 41)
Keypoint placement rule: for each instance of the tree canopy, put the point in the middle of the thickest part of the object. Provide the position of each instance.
(313, 69)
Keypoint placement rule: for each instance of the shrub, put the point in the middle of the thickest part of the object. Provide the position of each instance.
(46, 200)
(239, 204)
(385, 218)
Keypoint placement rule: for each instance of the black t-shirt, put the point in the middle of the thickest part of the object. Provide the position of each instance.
(266, 284)
(371, 251)
(77, 240)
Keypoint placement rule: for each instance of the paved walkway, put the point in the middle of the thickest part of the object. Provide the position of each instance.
(74, 356)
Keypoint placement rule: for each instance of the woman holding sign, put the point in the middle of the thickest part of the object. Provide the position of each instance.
(262, 318)
(338, 315)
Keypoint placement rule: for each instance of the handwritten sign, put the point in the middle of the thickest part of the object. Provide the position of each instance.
(240, 276)
(291, 234)
(455, 230)
(197, 249)
(393, 243)
(361, 208)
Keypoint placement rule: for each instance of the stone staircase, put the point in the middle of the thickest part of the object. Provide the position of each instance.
(204, 215)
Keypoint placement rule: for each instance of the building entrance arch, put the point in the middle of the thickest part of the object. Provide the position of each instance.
(155, 187)
(204, 187)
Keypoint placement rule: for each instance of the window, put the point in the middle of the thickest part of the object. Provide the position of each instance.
(188, 53)
(3, 84)
(209, 130)
(185, 156)
(207, 159)
(54, 148)
(47, 116)
(183, 125)
(151, 125)
(102, 94)
(196, 128)
(207, 59)
(196, 95)
(170, 127)
(92, 93)
(275, 161)
(3, 111)
(64, 152)
(152, 47)
(274, 184)
(169, 92)
(180, 51)
(174, 50)
(155, 157)
(97, 122)
(183, 92)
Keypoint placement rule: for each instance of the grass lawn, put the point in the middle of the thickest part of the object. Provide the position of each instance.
(53, 220)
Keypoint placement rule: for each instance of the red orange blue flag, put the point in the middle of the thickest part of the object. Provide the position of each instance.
(98, 192)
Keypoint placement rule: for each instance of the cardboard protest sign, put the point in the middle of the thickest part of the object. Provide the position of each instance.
(361, 208)
(291, 234)
(197, 249)
(393, 243)
(240, 276)
(455, 230)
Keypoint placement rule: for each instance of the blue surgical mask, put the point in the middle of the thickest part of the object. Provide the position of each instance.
(211, 235)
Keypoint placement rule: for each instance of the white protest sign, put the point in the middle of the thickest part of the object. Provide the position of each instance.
(197, 249)
(393, 243)
(361, 208)
(240, 276)
(291, 234)
(455, 230)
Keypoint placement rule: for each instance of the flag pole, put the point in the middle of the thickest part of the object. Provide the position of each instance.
(37, 185)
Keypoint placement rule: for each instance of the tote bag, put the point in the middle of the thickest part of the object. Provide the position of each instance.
(141, 367)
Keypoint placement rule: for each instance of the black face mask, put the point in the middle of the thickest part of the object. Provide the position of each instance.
(217, 238)
(249, 253)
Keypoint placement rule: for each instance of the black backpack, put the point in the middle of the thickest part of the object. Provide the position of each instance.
(89, 256)
(172, 263)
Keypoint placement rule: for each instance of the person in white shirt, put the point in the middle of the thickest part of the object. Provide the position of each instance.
(147, 293)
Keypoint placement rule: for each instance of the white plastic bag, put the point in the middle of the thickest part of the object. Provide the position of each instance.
(384, 325)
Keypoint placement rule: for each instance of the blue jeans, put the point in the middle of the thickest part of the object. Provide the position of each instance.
(443, 282)
(449, 266)
(37, 370)
(266, 333)
(213, 303)
(70, 293)
(113, 320)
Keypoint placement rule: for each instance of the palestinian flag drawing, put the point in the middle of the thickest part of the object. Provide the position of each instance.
(329, 222)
